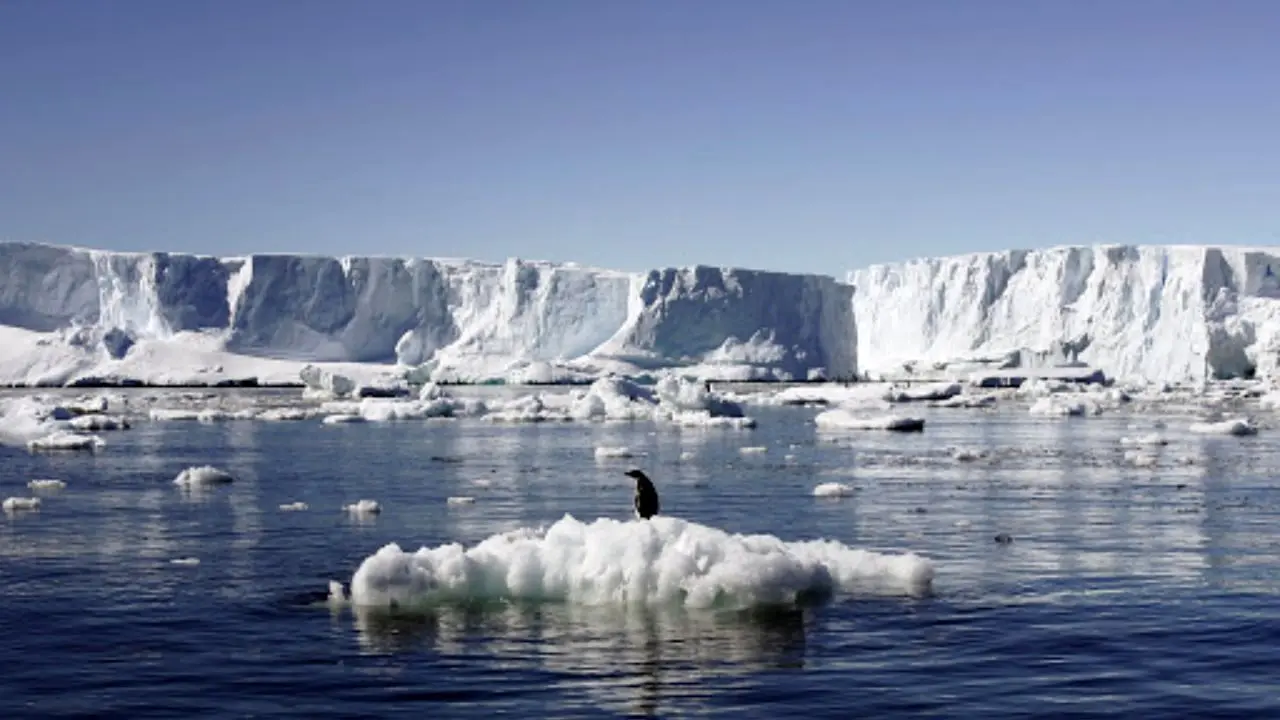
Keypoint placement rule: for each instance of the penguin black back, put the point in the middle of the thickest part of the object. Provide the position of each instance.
(646, 500)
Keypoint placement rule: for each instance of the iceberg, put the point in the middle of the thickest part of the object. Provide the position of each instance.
(76, 316)
(1137, 313)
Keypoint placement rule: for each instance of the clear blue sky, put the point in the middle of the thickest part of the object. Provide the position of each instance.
(806, 135)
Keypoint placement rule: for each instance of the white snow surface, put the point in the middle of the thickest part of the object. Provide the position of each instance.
(661, 561)
(1147, 313)
(69, 314)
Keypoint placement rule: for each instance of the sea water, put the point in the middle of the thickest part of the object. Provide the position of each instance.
(1139, 581)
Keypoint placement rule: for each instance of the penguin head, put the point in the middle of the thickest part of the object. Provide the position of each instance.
(637, 474)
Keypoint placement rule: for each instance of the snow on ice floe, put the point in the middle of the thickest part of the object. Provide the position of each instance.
(664, 560)
(832, 489)
(1230, 426)
(99, 422)
(63, 440)
(203, 475)
(363, 507)
(844, 419)
(18, 504)
(672, 400)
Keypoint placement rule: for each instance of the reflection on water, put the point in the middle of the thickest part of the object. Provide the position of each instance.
(623, 658)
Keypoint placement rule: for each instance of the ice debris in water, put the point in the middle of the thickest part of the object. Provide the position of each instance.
(753, 450)
(188, 561)
(605, 452)
(364, 507)
(461, 500)
(833, 489)
(63, 440)
(672, 400)
(202, 475)
(845, 419)
(1148, 440)
(15, 504)
(45, 484)
(99, 422)
(1230, 426)
(294, 506)
(968, 454)
(639, 562)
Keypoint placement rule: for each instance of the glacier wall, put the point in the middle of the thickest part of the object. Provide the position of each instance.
(462, 320)
(1153, 313)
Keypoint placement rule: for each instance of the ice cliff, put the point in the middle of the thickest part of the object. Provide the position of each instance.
(1154, 313)
(67, 313)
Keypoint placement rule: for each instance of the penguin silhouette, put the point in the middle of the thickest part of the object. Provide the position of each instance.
(646, 499)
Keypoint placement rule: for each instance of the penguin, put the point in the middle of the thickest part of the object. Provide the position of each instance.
(646, 500)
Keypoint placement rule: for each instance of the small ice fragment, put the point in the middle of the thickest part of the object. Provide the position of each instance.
(461, 500)
(753, 450)
(342, 418)
(833, 489)
(63, 440)
(15, 504)
(364, 507)
(604, 452)
(289, 507)
(336, 594)
(40, 484)
(203, 475)
(185, 561)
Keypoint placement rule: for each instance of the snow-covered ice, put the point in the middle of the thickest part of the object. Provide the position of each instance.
(201, 475)
(844, 419)
(1149, 313)
(16, 504)
(359, 325)
(664, 560)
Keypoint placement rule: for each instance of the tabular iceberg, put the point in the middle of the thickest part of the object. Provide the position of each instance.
(69, 313)
(1151, 313)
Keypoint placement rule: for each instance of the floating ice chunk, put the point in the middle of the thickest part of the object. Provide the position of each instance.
(753, 450)
(461, 500)
(363, 507)
(173, 414)
(294, 506)
(842, 419)
(187, 561)
(605, 452)
(1151, 439)
(688, 455)
(342, 418)
(63, 440)
(1059, 406)
(325, 383)
(967, 401)
(99, 422)
(16, 504)
(926, 391)
(336, 594)
(1141, 458)
(202, 475)
(968, 454)
(41, 484)
(833, 489)
(1232, 426)
(641, 562)
(285, 414)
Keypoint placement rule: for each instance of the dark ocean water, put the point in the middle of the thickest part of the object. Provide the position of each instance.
(1141, 591)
